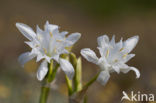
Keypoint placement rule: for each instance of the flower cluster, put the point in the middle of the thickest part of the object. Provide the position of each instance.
(47, 45)
(113, 56)
(53, 47)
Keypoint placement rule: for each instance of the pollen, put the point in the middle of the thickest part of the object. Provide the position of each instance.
(55, 50)
(64, 38)
(39, 37)
(107, 53)
(121, 49)
(37, 46)
(124, 56)
(51, 35)
(116, 60)
(59, 40)
(45, 51)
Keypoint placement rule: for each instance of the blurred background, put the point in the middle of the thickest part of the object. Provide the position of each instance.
(92, 18)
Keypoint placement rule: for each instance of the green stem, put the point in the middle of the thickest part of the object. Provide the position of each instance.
(85, 99)
(91, 81)
(80, 95)
(50, 66)
(48, 79)
(44, 94)
(69, 86)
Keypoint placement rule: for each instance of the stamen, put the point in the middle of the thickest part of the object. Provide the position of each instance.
(39, 37)
(45, 51)
(55, 50)
(124, 56)
(51, 35)
(64, 38)
(37, 46)
(107, 53)
(121, 49)
(115, 60)
(59, 40)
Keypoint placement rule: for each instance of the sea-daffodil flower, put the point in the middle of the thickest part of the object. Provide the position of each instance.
(47, 44)
(113, 56)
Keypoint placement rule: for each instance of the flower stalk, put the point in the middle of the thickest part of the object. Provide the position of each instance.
(46, 82)
(44, 94)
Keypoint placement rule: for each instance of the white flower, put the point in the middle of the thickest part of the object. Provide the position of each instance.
(48, 44)
(113, 56)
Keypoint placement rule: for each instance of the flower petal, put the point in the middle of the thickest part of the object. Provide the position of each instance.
(25, 57)
(116, 68)
(39, 57)
(126, 69)
(42, 70)
(103, 41)
(103, 77)
(64, 33)
(50, 27)
(26, 31)
(102, 62)
(136, 71)
(73, 38)
(128, 57)
(119, 44)
(130, 43)
(89, 55)
(56, 57)
(67, 67)
(112, 42)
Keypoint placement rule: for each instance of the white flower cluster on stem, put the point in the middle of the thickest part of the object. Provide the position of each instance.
(113, 56)
(48, 44)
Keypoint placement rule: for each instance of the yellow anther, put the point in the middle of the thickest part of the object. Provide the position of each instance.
(51, 35)
(37, 46)
(55, 50)
(115, 60)
(107, 53)
(64, 38)
(121, 49)
(124, 56)
(59, 40)
(45, 51)
(39, 37)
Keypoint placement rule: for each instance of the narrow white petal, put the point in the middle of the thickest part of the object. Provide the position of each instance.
(26, 31)
(50, 27)
(38, 30)
(136, 71)
(39, 57)
(47, 58)
(31, 44)
(102, 51)
(130, 43)
(102, 40)
(126, 69)
(119, 44)
(128, 57)
(56, 57)
(25, 57)
(89, 55)
(64, 33)
(103, 77)
(42, 70)
(73, 38)
(102, 62)
(116, 68)
(67, 67)
(112, 42)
